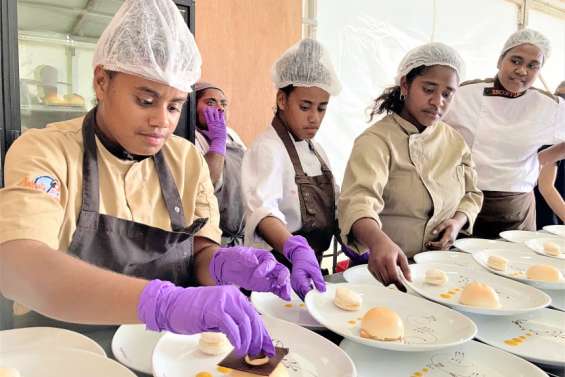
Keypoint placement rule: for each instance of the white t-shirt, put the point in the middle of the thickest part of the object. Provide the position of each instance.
(268, 185)
(504, 134)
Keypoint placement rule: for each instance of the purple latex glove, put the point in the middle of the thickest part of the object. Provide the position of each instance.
(356, 259)
(252, 269)
(217, 132)
(163, 306)
(305, 267)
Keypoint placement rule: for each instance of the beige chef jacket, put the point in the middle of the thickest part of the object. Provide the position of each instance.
(43, 177)
(408, 182)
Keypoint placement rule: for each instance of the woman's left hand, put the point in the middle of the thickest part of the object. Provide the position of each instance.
(450, 229)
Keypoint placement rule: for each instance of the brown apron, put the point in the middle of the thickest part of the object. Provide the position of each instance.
(316, 195)
(125, 246)
(505, 211)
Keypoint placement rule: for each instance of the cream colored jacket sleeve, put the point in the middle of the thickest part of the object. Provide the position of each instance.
(472, 202)
(365, 177)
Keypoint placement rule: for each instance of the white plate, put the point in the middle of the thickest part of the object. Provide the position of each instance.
(28, 337)
(360, 275)
(538, 336)
(62, 362)
(449, 257)
(294, 311)
(515, 297)
(558, 230)
(310, 354)
(557, 299)
(472, 245)
(472, 359)
(521, 236)
(427, 325)
(132, 345)
(518, 264)
(536, 245)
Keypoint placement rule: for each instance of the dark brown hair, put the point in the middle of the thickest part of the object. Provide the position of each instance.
(390, 101)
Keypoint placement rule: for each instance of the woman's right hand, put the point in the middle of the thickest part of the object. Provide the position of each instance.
(163, 306)
(384, 257)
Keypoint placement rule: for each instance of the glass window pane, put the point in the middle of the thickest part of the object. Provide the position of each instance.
(553, 71)
(56, 41)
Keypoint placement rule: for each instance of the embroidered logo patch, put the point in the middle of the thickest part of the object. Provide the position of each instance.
(43, 183)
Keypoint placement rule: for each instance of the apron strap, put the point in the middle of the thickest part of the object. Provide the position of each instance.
(91, 181)
(170, 193)
(282, 131)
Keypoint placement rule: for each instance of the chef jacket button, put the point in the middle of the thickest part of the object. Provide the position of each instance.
(177, 209)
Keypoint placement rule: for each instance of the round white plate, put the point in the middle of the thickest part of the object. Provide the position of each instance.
(62, 362)
(521, 236)
(558, 230)
(132, 345)
(472, 359)
(360, 275)
(536, 245)
(427, 325)
(449, 257)
(310, 354)
(557, 299)
(515, 297)
(31, 337)
(294, 311)
(538, 336)
(472, 245)
(518, 264)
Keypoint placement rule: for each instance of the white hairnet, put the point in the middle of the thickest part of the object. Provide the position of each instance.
(434, 53)
(528, 36)
(306, 64)
(149, 38)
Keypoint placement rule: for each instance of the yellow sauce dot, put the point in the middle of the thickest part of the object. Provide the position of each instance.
(456, 289)
(288, 305)
(522, 337)
(452, 292)
(352, 321)
(223, 370)
(203, 374)
(512, 342)
(445, 295)
(425, 370)
(517, 340)
(418, 374)
(301, 305)
(529, 334)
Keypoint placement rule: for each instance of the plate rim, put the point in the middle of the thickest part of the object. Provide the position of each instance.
(522, 355)
(118, 355)
(534, 283)
(95, 346)
(394, 346)
(256, 294)
(471, 343)
(268, 318)
(471, 309)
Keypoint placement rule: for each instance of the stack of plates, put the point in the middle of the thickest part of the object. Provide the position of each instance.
(53, 352)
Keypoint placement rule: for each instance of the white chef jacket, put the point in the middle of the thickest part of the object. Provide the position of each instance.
(268, 185)
(504, 134)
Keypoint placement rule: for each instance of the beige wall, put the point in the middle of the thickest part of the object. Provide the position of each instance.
(239, 41)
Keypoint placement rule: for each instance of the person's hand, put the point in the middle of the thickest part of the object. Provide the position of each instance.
(447, 232)
(450, 229)
(163, 306)
(383, 261)
(305, 267)
(217, 132)
(252, 269)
